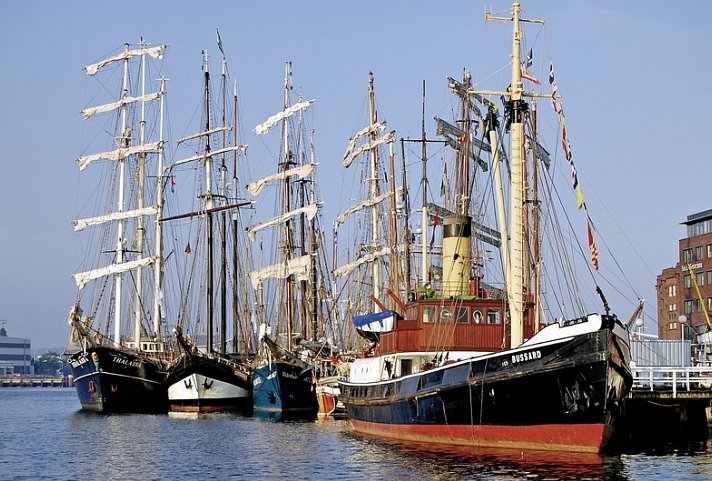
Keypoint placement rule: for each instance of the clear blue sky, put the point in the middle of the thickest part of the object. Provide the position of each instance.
(634, 76)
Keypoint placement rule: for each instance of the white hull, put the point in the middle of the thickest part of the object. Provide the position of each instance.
(197, 392)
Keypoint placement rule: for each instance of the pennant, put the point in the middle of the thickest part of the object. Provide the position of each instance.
(579, 196)
(436, 221)
(188, 250)
(525, 66)
(219, 42)
(592, 245)
(442, 182)
(173, 185)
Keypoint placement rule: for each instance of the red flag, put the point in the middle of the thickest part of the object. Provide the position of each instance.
(188, 250)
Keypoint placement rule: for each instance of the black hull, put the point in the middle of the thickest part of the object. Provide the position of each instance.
(283, 390)
(560, 395)
(110, 380)
(202, 383)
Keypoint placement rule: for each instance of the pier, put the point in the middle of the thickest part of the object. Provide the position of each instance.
(670, 402)
(36, 381)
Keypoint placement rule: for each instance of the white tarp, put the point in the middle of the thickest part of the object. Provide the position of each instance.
(299, 267)
(82, 278)
(117, 154)
(254, 188)
(80, 224)
(86, 113)
(264, 127)
(155, 52)
(310, 211)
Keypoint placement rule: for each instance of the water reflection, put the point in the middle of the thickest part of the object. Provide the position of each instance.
(450, 463)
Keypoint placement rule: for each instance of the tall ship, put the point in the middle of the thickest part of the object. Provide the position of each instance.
(285, 280)
(212, 373)
(467, 358)
(117, 351)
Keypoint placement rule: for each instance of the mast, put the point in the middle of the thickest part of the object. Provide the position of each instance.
(424, 220)
(140, 221)
(235, 307)
(222, 346)
(374, 192)
(124, 141)
(406, 212)
(158, 265)
(208, 200)
(287, 205)
(518, 247)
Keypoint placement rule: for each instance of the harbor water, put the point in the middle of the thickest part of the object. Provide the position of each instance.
(44, 436)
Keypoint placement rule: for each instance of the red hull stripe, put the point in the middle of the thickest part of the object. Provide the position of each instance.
(590, 438)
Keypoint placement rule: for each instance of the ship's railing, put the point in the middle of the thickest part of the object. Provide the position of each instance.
(672, 378)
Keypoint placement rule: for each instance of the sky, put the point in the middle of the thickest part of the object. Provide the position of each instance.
(633, 76)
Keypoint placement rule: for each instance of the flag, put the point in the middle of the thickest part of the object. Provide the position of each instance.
(442, 182)
(554, 90)
(579, 196)
(528, 63)
(592, 245)
(526, 75)
(530, 59)
(173, 185)
(188, 250)
(436, 221)
(219, 42)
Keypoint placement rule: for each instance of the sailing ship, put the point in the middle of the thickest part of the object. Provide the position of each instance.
(282, 374)
(116, 348)
(211, 380)
(463, 361)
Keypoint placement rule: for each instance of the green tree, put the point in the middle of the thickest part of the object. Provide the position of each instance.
(49, 363)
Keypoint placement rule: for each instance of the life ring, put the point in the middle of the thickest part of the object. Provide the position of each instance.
(92, 387)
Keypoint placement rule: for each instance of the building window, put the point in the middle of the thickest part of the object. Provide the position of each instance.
(709, 277)
(700, 278)
(428, 313)
(672, 291)
(709, 305)
(672, 326)
(463, 314)
(492, 316)
(687, 281)
(687, 255)
(699, 253)
(698, 304)
(688, 306)
(709, 251)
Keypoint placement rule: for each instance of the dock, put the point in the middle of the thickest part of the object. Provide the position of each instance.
(670, 402)
(36, 381)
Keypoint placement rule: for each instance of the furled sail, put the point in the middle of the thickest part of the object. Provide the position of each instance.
(264, 127)
(86, 113)
(82, 278)
(120, 153)
(370, 257)
(350, 155)
(216, 130)
(81, 224)
(299, 267)
(207, 155)
(155, 52)
(371, 129)
(310, 211)
(254, 188)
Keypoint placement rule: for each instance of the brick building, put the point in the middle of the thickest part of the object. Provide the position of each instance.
(678, 286)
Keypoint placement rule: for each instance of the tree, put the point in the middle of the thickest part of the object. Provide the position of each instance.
(49, 363)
